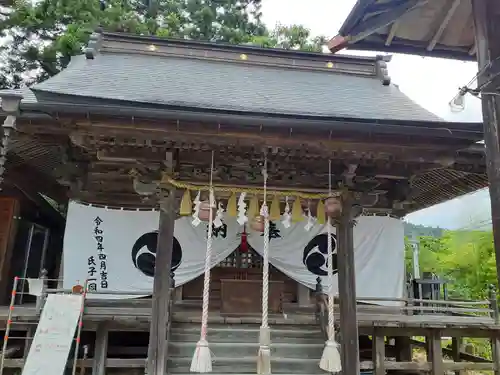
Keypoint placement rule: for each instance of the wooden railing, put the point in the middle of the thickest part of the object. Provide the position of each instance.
(435, 363)
(412, 306)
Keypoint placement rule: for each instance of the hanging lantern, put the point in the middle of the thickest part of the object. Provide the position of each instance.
(204, 212)
(258, 223)
(333, 206)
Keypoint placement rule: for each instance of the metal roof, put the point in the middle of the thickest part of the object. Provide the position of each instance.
(130, 75)
(437, 28)
(125, 74)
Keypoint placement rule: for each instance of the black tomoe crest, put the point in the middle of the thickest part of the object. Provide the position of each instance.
(144, 253)
(316, 254)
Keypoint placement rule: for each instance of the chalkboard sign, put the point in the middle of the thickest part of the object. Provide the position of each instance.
(54, 335)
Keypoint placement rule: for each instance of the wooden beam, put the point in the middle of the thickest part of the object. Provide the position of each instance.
(347, 289)
(473, 49)
(450, 8)
(158, 344)
(392, 33)
(486, 15)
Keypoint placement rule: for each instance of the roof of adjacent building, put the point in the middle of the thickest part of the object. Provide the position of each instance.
(437, 28)
(128, 69)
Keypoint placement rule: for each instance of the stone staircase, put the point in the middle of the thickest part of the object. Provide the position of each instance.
(295, 349)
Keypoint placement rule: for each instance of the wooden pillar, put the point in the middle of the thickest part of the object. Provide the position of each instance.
(378, 341)
(157, 350)
(9, 211)
(435, 353)
(486, 15)
(347, 290)
(100, 350)
(456, 347)
(303, 295)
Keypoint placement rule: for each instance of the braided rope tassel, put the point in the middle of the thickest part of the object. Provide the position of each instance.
(330, 360)
(202, 358)
(264, 355)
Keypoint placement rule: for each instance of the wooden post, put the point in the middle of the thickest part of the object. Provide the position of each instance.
(456, 347)
(435, 352)
(100, 350)
(495, 340)
(347, 290)
(40, 300)
(378, 353)
(157, 350)
(486, 15)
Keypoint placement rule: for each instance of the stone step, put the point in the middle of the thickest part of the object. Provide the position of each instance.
(281, 350)
(248, 365)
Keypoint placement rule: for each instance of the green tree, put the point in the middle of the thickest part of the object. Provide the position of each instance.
(465, 258)
(469, 263)
(41, 36)
(296, 37)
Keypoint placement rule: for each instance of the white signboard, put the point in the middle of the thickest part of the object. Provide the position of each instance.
(54, 335)
(115, 250)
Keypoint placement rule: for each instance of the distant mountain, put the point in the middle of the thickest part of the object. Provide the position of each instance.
(469, 212)
(422, 230)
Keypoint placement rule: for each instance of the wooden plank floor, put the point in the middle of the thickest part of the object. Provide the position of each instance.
(368, 316)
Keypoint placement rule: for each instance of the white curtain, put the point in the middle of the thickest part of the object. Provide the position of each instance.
(378, 255)
(119, 253)
(115, 250)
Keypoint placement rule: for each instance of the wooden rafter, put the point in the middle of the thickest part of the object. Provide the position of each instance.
(450, 9)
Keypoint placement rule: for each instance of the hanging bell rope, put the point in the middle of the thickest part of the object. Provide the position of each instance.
(330, 360)
(264, 355)
(202, 358)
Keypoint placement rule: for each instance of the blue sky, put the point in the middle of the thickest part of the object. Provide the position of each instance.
(432, 83)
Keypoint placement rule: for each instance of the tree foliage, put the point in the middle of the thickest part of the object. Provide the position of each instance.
(465, 258)
(41, 36)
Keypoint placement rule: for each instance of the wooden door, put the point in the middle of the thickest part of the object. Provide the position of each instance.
(243, 265)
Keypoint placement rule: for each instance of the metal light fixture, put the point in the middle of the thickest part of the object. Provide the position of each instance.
(457, 104)
(11, 102)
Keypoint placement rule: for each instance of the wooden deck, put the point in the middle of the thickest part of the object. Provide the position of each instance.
(134, 315)
(376, 321)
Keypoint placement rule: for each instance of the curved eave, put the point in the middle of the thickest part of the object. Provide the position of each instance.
(437, 28)
(466, 132)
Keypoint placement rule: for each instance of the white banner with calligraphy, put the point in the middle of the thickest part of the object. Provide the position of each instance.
(115, 250)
